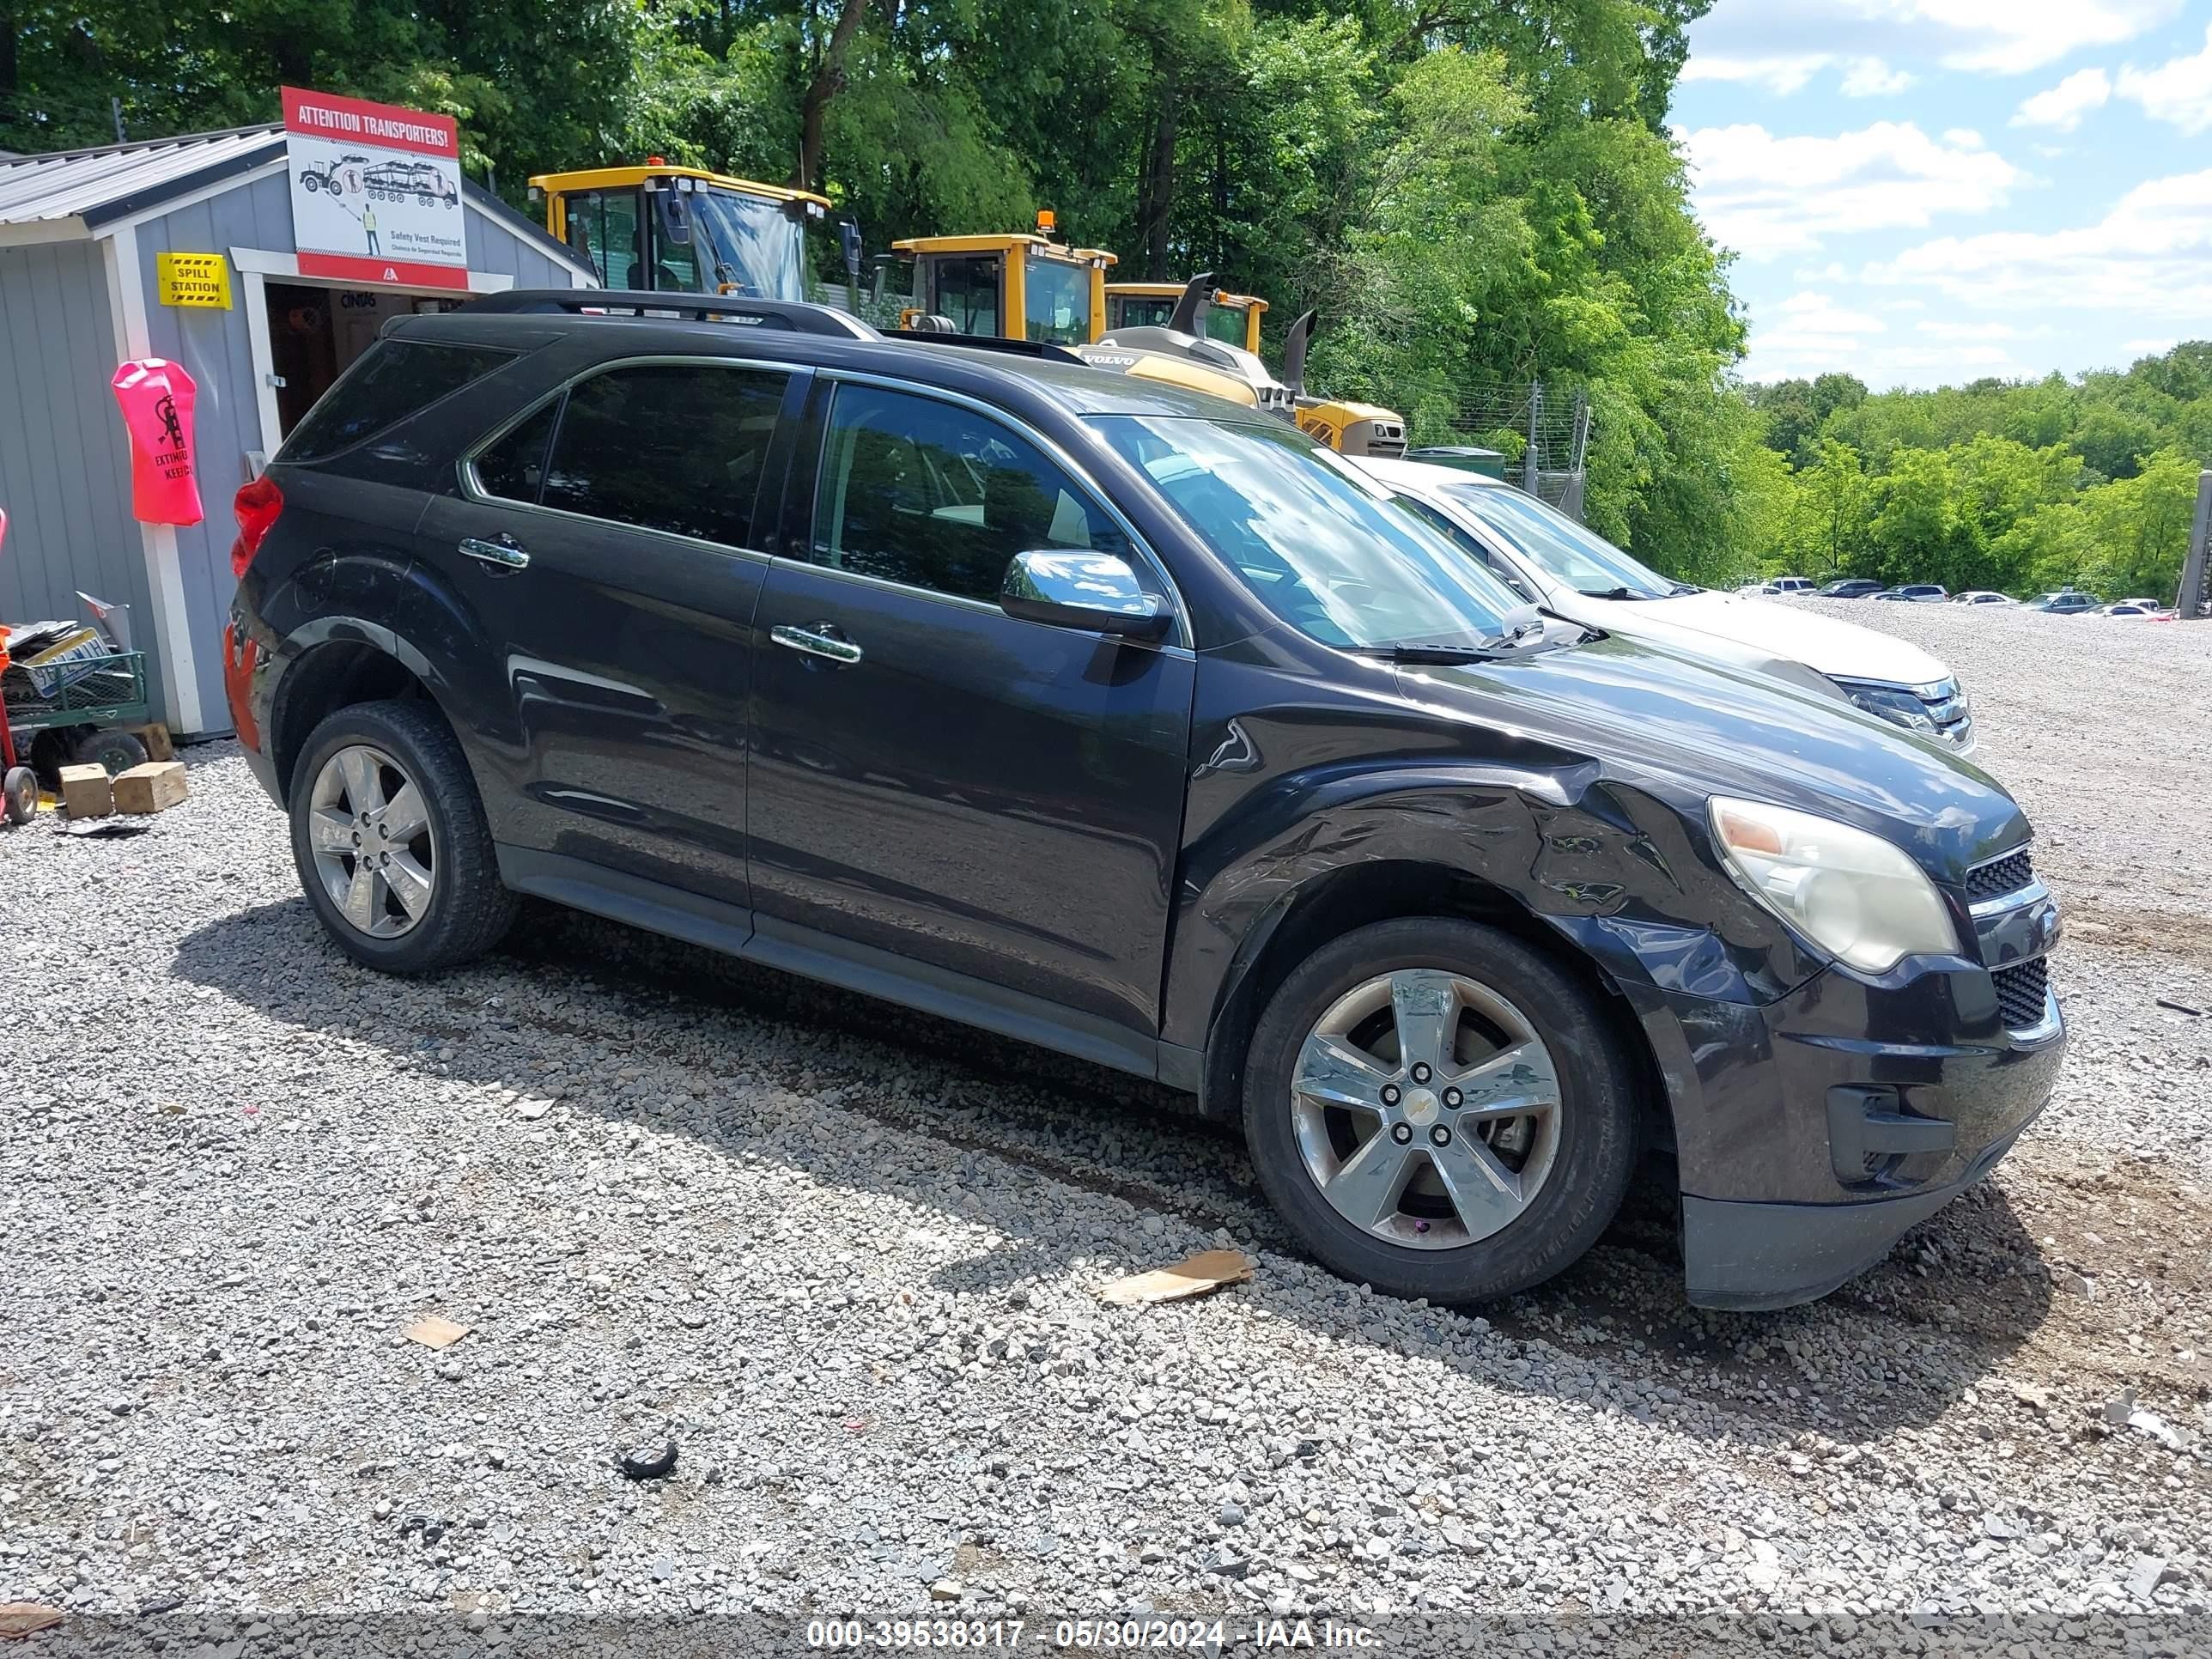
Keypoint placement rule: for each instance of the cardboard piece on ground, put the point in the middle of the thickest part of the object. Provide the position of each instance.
(87, 792)
(435, 1331)
(149, 786)
(1208, 1270)
(21, 1619)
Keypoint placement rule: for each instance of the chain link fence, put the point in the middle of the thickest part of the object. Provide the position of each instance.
(1543, 433)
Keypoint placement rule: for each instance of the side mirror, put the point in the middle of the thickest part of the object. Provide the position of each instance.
(1072, 588)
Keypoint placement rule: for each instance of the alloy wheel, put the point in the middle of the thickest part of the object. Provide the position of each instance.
(369, 831)
(1426, 1107)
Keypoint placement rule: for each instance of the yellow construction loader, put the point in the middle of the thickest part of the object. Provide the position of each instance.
(1232, 319)
(684, 229)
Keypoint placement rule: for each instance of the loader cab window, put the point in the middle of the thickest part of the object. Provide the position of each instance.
(966, 289)
(602, 225)
(675, 243)
(1138, 311)
(1058, 301)
(1225, 324)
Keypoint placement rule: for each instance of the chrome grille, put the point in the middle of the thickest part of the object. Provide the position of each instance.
(2023, 989)
(1999, 876)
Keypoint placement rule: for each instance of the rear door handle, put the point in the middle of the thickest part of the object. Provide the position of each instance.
(504, 552)
(819, 639)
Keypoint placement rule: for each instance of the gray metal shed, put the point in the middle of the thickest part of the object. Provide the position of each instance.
(80, 236)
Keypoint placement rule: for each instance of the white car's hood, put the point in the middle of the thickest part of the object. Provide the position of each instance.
(1764, 629)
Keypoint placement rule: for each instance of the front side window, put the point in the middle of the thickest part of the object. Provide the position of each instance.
(1565, 550)
(674, 446)
(602, 225)
(935, 496)
(1057, 299)
(966, 289)
(1321, 546)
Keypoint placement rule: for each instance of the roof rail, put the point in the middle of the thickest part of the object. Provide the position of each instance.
(1051, 354)
(790, 315)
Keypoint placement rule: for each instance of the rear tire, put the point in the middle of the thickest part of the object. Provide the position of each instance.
(1438, 1111)
(389, 836)
(19, 794)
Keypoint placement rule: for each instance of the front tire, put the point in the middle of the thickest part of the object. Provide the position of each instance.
(391, 842)
(1438, 1111)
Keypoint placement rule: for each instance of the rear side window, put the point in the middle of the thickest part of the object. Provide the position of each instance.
(394, 380)
(674, 446)
(514, 467)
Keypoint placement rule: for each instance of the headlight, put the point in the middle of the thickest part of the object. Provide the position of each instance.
(1899, 706)
(1853, 895)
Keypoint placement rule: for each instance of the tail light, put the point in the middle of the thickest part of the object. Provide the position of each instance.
(256, 507)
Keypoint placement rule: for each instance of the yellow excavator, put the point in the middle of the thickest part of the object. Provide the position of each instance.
(1032, 286)
(686, 230)
(1021, 287)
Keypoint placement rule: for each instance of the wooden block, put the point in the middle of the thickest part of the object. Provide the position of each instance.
(86, 792)
(158, 745)
(150, 787)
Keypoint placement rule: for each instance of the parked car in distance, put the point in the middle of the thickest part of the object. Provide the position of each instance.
(1789, 585)
(1112, 718)
(2066, 602)
(1849, 587)
(1550, 560)
(1918, 593)
(2138, 612)
(2157, 606)
(1980, 596)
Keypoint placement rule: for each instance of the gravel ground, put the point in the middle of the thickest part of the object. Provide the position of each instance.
(847, 1259)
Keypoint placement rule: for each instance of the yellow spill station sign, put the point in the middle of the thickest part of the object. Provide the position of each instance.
(194, 279)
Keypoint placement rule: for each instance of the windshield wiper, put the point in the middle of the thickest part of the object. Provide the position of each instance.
(1615, 594)
(1432, 654)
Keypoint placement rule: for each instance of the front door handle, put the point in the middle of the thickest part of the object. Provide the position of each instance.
(819, 639)
(504, 552)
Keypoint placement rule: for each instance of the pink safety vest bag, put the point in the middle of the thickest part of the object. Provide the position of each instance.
(156, 398)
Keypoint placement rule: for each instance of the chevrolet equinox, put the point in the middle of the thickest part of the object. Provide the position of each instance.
(1097, 713)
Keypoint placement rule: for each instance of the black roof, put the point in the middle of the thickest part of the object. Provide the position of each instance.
(524, 321)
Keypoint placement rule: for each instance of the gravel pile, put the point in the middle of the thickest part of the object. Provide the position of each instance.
(846, 1260)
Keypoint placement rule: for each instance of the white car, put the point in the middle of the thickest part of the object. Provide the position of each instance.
(1573, 572)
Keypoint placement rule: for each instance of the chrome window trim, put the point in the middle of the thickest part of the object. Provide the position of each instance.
(1053, 451)
(471, 484)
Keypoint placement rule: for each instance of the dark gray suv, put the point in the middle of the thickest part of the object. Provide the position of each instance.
(1131, 724)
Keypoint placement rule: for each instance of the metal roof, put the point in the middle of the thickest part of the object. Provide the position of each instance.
(94, 187)
(97, 186)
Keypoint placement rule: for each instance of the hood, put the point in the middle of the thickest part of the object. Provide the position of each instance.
(1684, 728)
(1769, 630)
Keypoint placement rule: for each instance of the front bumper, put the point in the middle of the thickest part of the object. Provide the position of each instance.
(1812, 1131)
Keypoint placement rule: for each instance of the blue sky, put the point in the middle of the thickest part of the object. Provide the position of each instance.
(1924, 192)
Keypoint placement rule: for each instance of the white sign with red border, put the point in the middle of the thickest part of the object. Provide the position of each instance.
(376, 192)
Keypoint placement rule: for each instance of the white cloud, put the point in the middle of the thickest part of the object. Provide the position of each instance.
(1764, 196)
(1964, 138)
(1783, 43)
(1869, 77)
(2149, 257)
(2063, 105)
(2178, 92)
(1952, 329)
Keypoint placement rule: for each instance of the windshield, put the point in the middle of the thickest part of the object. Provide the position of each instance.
(1323, 547)
(1563, 550)
(1057, 301)
(750, 247)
